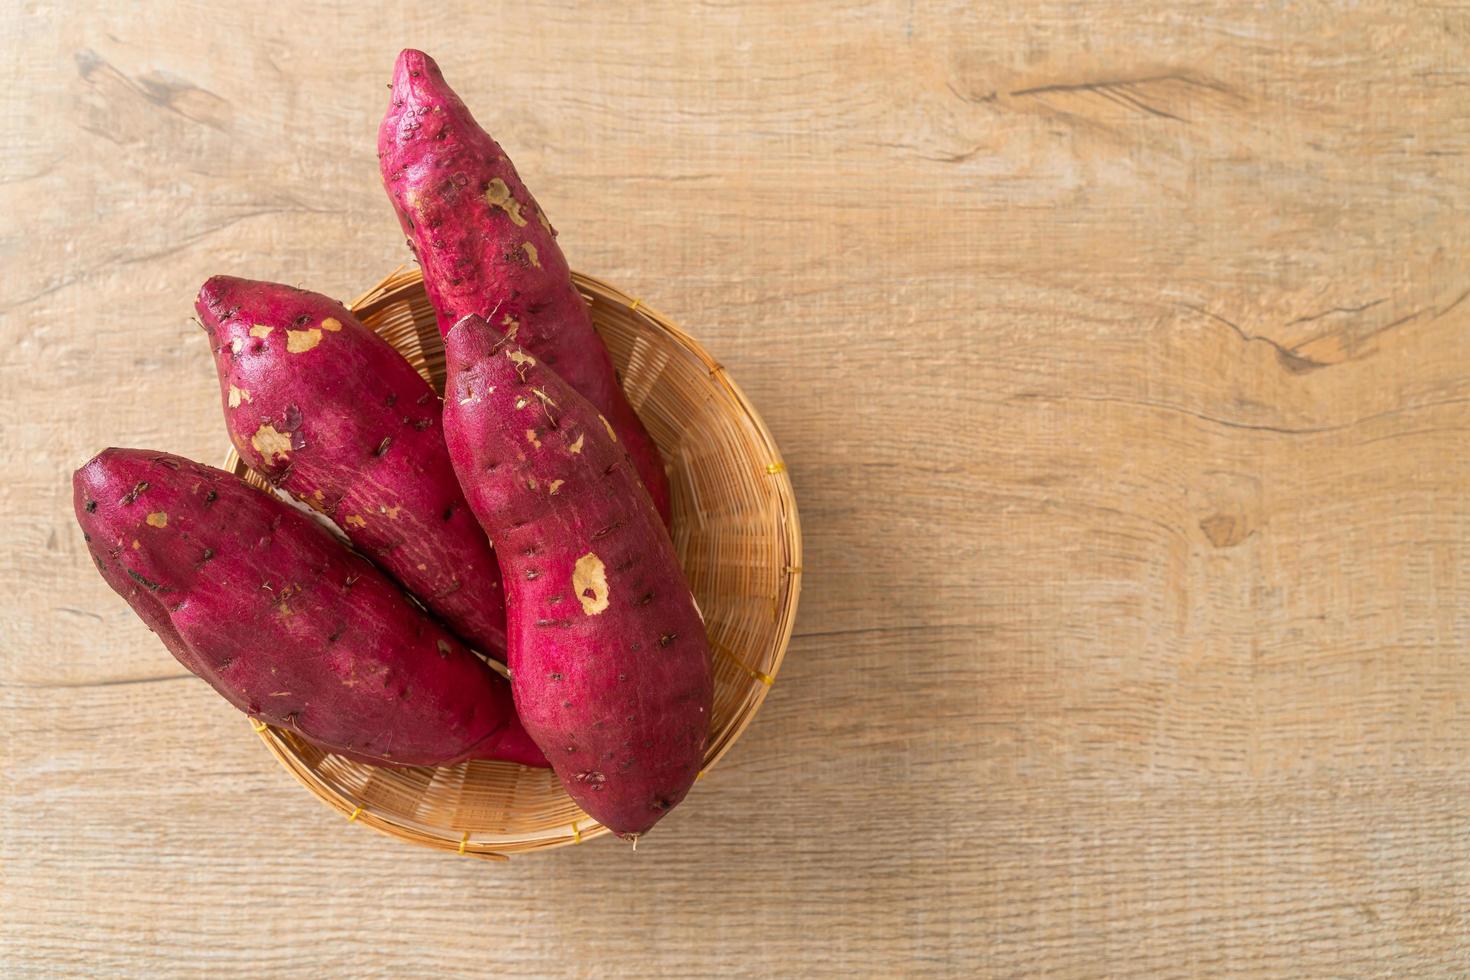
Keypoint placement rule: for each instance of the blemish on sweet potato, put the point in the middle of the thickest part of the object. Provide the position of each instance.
(354, 520)
(301, 341)
(260, 330)
(270, 442)
(530, 251)
(608, 426)
(142, 580)
(238, 395)
(331, 324)
(498, 195)
(532, 438)
(576, 447)
(158, 519)
(589, 582)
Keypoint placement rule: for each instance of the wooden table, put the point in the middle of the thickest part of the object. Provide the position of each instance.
(1121, 354)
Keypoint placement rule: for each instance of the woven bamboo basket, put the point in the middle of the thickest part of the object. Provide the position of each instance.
(736, 533)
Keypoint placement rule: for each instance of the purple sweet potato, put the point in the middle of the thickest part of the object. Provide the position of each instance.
(609, 660)
(333, 415)
(486, 248)
(283, 621)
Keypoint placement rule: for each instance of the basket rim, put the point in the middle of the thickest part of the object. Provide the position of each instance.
(281, 745)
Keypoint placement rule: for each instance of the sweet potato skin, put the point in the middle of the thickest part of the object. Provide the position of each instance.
(333, 415)
(609, 659)
(487, 248)
(283, 621)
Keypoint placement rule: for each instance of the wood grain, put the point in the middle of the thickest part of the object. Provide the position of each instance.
(1121, 354)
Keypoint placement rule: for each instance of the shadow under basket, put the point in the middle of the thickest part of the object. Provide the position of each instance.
(736, 533)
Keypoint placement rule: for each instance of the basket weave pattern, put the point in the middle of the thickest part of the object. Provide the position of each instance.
(736, 533)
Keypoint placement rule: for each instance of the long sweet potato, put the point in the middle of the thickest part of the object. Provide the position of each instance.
(283, 621)
(487, 248)
(332, 414)
(609, 660)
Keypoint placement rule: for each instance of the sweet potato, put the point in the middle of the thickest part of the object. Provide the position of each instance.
(333, 415)
(283, 621)
(487, 248)
(609, 660)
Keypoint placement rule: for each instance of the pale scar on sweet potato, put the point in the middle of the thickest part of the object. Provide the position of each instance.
(498, 195)
(608, 426)
(158, 519)
(530, 251)
(331, 324)
(301, 341)
(554, 486)
(270, 443)
(532, 438)
(576, 447)
(511, 325)
(238, 395)
(589, 582)
(355, 521)
(260, 330)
